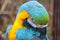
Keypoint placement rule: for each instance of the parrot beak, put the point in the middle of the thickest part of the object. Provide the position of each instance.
(34, 24)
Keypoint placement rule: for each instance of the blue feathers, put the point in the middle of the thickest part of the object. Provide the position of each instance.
(37, 11)
(7, 30)
(39, 14)
(31, 5)
(28, 34)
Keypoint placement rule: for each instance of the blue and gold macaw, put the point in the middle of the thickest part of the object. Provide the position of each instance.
(30, 24)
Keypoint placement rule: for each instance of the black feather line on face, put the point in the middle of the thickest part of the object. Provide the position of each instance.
(28, 26)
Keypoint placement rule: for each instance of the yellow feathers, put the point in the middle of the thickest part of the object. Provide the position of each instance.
(17, 24)
(20, 18)
(22, 15)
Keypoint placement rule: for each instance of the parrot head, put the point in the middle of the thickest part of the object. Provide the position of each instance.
(34, 12)
(32, 19)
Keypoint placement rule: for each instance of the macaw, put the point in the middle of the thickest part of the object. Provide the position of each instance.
(30, 24)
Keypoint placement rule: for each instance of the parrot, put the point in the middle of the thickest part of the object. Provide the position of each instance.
(30, 24)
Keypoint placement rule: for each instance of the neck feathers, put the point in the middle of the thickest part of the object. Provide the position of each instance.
(19, 20)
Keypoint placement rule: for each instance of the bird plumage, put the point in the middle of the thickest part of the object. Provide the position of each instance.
(36, 10)
(30, 9)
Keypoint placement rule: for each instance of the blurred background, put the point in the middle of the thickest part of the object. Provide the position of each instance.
(8, 11)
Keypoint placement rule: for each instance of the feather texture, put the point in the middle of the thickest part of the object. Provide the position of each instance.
(29, 9)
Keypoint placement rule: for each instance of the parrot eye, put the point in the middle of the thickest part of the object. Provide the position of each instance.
(34, 24)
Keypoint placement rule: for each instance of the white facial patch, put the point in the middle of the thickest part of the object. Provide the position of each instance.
(34, 24)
